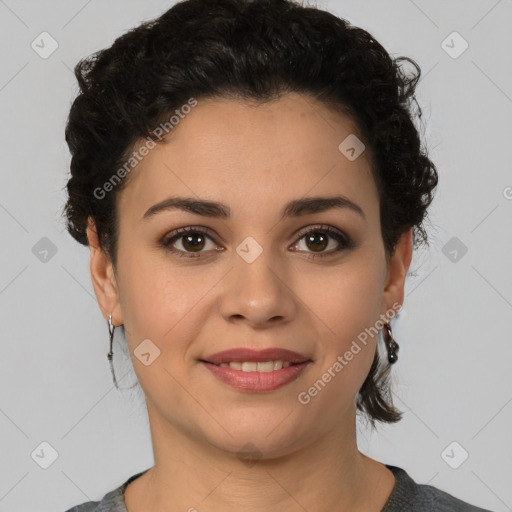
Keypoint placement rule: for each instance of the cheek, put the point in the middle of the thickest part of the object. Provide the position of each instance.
(155, 307)
(347, 300)
(145, 298)
(162, 303)
(343, 366)
(346, 308)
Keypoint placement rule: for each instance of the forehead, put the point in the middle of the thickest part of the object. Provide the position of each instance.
(223, 148)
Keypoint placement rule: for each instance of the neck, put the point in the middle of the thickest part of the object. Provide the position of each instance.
(190, 474)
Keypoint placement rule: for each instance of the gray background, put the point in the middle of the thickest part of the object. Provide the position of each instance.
(453, 377)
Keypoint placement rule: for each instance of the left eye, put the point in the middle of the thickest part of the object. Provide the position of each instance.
(194, 239)
(319, 239)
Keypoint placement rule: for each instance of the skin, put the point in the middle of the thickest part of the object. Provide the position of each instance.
(253, 159)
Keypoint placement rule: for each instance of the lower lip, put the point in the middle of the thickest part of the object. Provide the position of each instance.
(257, 381)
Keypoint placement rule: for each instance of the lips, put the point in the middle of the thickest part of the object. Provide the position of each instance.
(256, 371)
(241, 355)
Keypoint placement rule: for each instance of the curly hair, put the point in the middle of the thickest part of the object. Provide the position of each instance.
(252, 50)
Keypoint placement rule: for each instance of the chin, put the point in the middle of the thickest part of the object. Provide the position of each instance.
(262, 439)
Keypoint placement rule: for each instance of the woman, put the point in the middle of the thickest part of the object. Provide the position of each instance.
(251, 185)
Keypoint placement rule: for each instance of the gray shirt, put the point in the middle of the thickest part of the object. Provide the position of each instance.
(407, 495)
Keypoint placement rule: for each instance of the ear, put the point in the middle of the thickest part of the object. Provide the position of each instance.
(397, 271)
(103, 278)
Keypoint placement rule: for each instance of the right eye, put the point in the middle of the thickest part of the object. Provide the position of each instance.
(191, 238)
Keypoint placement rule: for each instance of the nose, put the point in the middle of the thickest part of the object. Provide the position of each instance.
(258, 290)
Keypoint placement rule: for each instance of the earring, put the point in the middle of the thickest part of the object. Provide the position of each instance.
(111, 329)
(391, 344)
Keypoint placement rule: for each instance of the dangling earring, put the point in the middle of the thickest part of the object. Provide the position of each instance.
(111, 329)
(391, 344)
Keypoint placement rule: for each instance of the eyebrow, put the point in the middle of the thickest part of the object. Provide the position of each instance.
(213, 209)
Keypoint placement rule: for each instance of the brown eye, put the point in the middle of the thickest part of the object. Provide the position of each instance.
(192, 240)
(317, 240)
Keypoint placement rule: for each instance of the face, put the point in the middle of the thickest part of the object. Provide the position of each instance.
(308, 280)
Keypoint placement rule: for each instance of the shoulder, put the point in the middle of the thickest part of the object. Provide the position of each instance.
(113, 501)
(429, 496)
(90, 506)
(408, 495)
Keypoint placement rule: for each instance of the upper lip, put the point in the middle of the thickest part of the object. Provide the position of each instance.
(247, 354)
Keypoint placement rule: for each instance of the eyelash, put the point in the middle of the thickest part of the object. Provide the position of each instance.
(341, 238)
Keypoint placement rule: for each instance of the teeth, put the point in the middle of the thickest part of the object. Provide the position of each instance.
(251, 366)
(265, 367)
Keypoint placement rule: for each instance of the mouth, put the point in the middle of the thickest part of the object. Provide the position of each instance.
(256, 376)
(256, 371)
(257, 366)
(251, 360)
